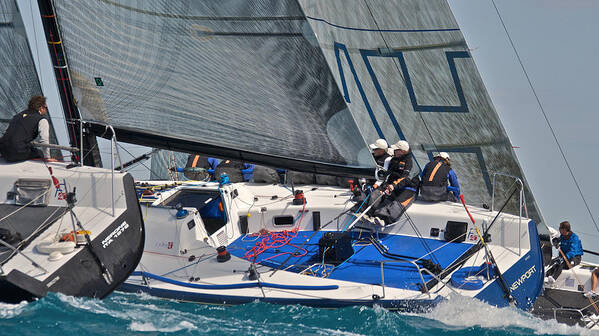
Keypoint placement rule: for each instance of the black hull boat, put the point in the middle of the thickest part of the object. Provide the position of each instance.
(567, 298)
(41, 207)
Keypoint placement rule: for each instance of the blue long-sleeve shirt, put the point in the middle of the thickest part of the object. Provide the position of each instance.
(247, 171)
(454, 186)
(571, 246)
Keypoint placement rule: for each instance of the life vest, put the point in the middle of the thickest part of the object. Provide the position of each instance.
(434, 182)
(230, 167)
(15, 144)
(435, 173)
(197, 161)
(399, 167)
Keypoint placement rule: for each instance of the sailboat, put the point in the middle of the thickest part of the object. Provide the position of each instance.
(569, 299)
(305, 85)
(65, 227)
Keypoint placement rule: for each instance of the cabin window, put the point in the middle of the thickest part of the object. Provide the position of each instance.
(208, 204)
(32, 192)
(283, 220)
(191, 198)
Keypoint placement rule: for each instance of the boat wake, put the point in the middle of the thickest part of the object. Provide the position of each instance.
(462, 313)
(125, 313)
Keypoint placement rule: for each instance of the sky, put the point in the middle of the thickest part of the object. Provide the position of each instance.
(558, 45)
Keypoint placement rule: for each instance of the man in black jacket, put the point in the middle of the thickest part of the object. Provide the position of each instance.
(435, 177)
(15, 144)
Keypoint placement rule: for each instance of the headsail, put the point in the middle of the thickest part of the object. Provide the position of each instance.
(410, 76)
(19, 80)
(230, 78)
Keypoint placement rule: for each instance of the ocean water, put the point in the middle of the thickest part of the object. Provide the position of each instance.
(141, 314)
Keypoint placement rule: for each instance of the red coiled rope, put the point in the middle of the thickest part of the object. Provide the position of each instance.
(278, 239)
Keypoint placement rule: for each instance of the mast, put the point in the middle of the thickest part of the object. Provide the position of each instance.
(91, 153)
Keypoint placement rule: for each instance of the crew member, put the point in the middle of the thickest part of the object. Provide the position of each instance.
(400, 164)
(397, 171)
(15, 144)
(197, 168)
(236, 170)
(594, 276)
(400, 196)
(570, 245)
(435, 177)
(379, 151)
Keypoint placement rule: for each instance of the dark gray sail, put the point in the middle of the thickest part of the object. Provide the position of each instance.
(406, 73)
(218, 77)
(19, 79)
(288, 83)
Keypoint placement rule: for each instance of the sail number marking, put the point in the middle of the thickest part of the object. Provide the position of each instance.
(114, 234)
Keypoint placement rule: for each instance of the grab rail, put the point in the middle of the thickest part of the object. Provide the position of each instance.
(521, 200)
(113, 146)
(401, 261)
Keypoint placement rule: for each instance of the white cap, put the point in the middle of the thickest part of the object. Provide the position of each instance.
(379, 143)
(402, 144)
(444, 155)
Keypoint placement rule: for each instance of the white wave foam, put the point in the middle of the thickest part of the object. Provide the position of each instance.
(142, 316)
(148, 326)
(8, 310)
(464, 312)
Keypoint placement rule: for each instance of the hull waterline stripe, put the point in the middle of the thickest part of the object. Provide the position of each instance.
(232, 286)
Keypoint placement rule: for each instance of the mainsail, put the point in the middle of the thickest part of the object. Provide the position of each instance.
(409, 75)
(302, 84)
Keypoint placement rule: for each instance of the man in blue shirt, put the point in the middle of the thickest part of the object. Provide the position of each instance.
(434, 179)
(571, 247)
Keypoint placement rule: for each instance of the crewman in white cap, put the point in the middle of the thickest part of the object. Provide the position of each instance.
(379, 151)
(435, 178)
(401, 163)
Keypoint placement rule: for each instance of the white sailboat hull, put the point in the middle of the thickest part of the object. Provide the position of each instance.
(180, 257)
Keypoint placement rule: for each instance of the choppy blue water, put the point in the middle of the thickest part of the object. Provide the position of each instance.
(140, 314)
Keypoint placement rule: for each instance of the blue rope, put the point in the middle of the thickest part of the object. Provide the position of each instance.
(354, 214)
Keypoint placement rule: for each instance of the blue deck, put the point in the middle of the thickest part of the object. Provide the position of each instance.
(364, 265)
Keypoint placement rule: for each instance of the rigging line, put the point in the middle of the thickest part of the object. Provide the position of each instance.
(421, 238)
(400, 72)
(559, 146)
(43, 226)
